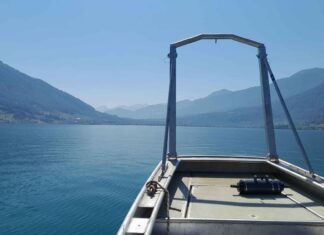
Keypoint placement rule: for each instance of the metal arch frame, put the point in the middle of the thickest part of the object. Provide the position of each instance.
(170, 127)
(217, 37)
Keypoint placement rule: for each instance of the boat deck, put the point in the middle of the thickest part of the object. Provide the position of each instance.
(209, 196)
(202, 201)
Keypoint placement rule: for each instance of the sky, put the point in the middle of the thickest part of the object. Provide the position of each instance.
(111, 53)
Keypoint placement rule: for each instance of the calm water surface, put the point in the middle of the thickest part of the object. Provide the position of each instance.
(70, 179)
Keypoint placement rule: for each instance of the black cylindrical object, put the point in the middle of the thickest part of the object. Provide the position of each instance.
(259, 186)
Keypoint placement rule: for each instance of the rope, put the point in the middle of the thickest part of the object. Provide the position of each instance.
(151, 188)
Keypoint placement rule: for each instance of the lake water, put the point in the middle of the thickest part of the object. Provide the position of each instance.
(71, 179)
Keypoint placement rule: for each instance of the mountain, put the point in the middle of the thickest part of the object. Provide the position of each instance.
(122, 110)
(31, 100)
(305, 108)
(226, 100)
(27, 99)
(155, 111)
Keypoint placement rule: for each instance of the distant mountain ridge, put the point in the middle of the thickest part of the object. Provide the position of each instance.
(27, 99)
(226, 100)
(134, 107)
(305, 108)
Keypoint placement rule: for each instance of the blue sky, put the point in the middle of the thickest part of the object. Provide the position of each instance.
(114, 52)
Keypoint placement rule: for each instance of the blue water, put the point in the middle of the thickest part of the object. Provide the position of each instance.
(70, 179)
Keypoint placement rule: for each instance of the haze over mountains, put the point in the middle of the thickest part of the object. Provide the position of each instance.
(26, 99)
(303, 92)
(226, 100)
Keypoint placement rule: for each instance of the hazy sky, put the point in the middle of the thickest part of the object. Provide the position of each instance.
(115, 52)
